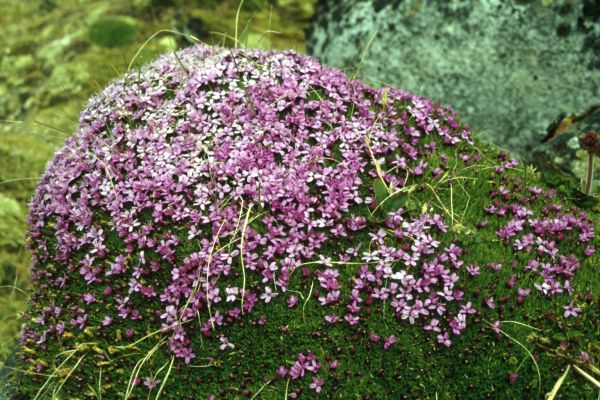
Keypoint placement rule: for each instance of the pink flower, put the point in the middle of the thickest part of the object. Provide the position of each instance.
(444, 339)
(151, 383)
(496, 327)
(268, 294)
(389, 341)
(292, 301)
(88, 298)
(433, 325)
(496, 266)
(570, 310)
(473, 270)
(225, 343)
(282, 371)
(489, 301)
(316, 384)
(352, 319)
(332, 319)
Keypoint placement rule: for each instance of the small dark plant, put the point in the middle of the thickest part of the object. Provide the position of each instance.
(591, 144)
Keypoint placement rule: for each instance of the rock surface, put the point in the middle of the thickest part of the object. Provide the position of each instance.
(508, 67)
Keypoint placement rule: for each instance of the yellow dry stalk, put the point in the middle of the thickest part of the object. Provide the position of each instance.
(261, 389)
(61, 371)
(587, 376)
(521, 324)
(405, 189)
(242, 255)
(138, 367)
(165, 378)
(210, 254)
(375, 161)
(364, 54)
(237, 19)
(449, 212)
(137, 53)
(552, 394)
(287, 384)
(537, 369)
(312, 284)
(59, 388)
(98, 393)
(384, 97)
(237, 228)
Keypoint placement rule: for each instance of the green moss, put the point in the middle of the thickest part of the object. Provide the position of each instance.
(475, 367)
(22, 160)
(12, 223)
(113, 31)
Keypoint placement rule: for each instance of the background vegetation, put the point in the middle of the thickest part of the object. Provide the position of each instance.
(56, 53)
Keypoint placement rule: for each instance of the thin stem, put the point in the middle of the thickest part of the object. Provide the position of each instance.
(590, 173)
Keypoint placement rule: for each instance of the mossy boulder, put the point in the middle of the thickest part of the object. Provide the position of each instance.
(230, 223)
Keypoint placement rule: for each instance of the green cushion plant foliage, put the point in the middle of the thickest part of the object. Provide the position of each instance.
(231, 223)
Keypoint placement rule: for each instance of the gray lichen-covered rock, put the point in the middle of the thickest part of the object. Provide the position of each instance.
(509, 67)
(7, 384)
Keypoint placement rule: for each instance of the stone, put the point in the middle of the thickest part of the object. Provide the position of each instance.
(507, 67)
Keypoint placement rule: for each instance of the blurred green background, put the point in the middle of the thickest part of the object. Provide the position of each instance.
(55, 54)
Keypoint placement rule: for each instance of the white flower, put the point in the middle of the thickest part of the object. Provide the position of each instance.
(232, 293)
(268, 294)
(225, 343)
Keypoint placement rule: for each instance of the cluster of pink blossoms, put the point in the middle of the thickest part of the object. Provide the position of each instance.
(204, 185)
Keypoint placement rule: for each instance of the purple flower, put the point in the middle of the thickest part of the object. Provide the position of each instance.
(432, 325)
(297, 370)
(150, 382)
(316, 384)
(292, 301)
(496, 326)
(282, 371)
(570, 310)
(496, 266)
(473, 270)
(390, 340)
(268, 294)
(444, 339)
(225, 343)
(79, 321)
(352, 319)
(88, 298)
(489, 302)
(332, 319)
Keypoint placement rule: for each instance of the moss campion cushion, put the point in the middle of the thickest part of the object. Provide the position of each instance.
(236, 223)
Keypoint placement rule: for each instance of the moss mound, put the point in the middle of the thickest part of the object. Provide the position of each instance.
(245, 224)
